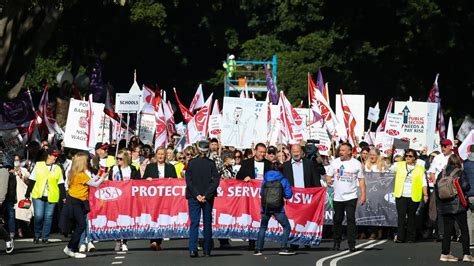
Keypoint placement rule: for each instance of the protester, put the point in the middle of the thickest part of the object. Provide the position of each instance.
(374, 161)
(77, 201)
(202, 180)
(281, 157)
(214, 154)
(160, 169)
(275, 188)
(228, 172)
(301, 172)
(468, 166)
(238, 158)
(255, 167)
(46, 187)
(9, 202)
(23, 216)
(272, 154)
(136, 156)
(437, 165)
(452, 209)
(410, 188)
(4, 176)
(343, 174)
(101, 158)
(179, 165)
(364, 154)
(248, 154)
(148, 156)
(123, 171)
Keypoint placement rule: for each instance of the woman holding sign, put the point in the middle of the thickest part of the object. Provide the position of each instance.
(410, 189)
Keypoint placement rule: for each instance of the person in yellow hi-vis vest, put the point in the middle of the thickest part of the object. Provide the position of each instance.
(46, 187)
(230, 66)
(410, 189)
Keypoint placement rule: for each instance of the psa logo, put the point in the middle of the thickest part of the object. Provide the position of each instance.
(389, 198)
(108, 193)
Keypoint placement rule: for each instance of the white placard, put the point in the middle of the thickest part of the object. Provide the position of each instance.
(318, 133)
(127, 103)
(393, 125)
(419, 123)
(274, 136)
(373, 115)
(238, 122)
(214, 126)
(384, 143)
(147, 128)
(357, 105)
(261, 126)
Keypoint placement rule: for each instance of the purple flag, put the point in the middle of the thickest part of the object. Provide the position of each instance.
(20, 109)
(320, 82)
(270, 86)
(97, 86)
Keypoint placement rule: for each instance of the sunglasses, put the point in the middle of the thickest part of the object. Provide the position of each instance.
(238, 157)
(409, 156)
(119, 158)
(189, 154)
(181, 158)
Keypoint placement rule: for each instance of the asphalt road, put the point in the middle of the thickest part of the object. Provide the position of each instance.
(380, 252)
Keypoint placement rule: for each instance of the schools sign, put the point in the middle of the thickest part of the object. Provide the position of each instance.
(141, 209)
(127, 103)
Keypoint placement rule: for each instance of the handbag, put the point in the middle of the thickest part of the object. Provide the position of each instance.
(24, 204)
(460, 192)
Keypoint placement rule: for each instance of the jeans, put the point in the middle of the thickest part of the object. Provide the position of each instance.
(4, 234)
(44, 211)
(349, 207)
(195, 209)
(282, 220)
(85, 233)
(406, 210)
(449, 220)
(10, 215)
(78, 216)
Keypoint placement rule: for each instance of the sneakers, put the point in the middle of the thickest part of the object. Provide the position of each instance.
(468, 258)
(10, 246)
(73, 254)
(82, 248)
(257, 252)
(124, 247)
(36, 240)
(448, 258)
(286, 252)
(90, 247)
(118, 245)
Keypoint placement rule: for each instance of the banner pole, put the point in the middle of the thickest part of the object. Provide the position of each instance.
(103, 126)
(117, 138)
(128, 130)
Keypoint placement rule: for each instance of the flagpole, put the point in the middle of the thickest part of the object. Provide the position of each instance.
(103, 127)
(118, 137)
(309, 102)
(126, 133)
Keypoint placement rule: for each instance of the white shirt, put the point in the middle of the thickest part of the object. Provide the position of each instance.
(161, 171)
(259, 168)
(126, 173)
(439, 163)
(345, 176)
(298, 173)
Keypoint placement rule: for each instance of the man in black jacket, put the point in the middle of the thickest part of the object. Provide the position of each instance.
(202, 180)
(160, 169)
(301, 172)
(255, 168)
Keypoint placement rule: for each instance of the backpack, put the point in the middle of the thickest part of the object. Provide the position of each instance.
(272, 196)
(446, 186)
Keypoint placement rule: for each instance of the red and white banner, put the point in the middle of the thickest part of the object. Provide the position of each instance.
(141, 209)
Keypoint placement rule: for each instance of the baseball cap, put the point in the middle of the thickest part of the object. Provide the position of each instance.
(446, 142)
(53, 151)
(100, 145)
(203, 145)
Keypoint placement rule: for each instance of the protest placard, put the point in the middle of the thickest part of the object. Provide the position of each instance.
(261, 125)
(393, 125)
(127, 103)
(419, 123)
(10, 144)
(238, 122)
(315, 132)
(214, 126)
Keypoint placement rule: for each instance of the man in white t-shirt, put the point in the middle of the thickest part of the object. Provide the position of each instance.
(343, 174)
(439, 163)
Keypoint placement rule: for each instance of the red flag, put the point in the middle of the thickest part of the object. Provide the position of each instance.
(215, 108)
(381, 127)
(109, 106)
(187, 115)
(434, 97)
(293, 124)
(160, 133)
(197, 128)
(320, 105)
(198, 100)
(147, 94)
(349, 121)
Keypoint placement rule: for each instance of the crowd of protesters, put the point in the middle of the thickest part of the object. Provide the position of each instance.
(57, 180)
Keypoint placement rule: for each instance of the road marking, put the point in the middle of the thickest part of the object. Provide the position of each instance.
(120, 257)
(121, 252)
(54, 240)
(117, 262)
(322, 260)
(334, 261)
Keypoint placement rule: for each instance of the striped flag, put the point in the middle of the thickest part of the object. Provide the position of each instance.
(187, 115)
(198, 100)
(381, 127)
(349, 121)
(434, 97)
(197, 128)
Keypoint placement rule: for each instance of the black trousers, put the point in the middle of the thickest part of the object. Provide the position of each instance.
(461, 219)
(406, 210)
(349, 208)
(4, 234)
(79, 221)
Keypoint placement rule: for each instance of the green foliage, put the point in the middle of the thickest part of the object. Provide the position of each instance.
(148, 12)
(46, 68)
